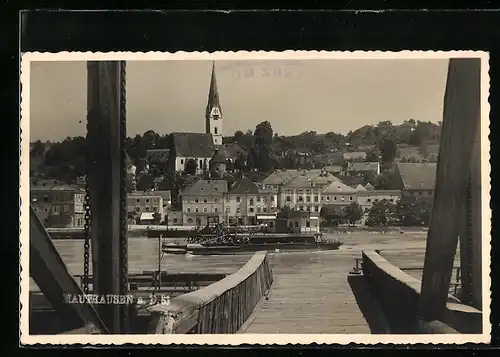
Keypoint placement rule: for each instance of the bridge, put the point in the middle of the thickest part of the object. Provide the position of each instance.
(362, 288)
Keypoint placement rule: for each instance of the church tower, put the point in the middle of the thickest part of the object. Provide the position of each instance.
(213, 115)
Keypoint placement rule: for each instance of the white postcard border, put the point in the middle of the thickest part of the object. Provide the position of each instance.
(239, 339)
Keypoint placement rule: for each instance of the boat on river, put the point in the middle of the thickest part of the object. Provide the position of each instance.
(242, 243)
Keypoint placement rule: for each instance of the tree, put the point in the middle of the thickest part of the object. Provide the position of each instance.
(206, 173)
(190, 167)
(388, 149)
(380, 213)
(371, 157)
(38, 148)
(332, 215)
(145, 183)
(263, 134)
(353, 212)
(239, 163)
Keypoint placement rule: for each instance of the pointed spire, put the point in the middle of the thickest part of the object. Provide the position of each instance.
(213, 94)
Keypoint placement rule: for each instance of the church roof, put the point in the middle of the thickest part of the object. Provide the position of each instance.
(221, 155)
(213, 93)
(206, 187)
(193, 144)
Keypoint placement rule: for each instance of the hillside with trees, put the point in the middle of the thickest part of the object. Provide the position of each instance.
(411, 141)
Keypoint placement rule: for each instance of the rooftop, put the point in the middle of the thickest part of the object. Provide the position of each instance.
(193, 144)
(417, 176)
(206, 187)
(244, 186)
(363, 166)
(338, 187)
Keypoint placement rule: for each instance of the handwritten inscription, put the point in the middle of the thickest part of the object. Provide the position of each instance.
(264, 72)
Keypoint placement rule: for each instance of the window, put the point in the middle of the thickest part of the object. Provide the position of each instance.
(55, 209)
(308, 208)
(258, 209)
(182, 162)
(328, 198)
(205, 200)
(350, 198)
(196, 200)
(66, 208)
(238, 210)
(146, 208)
(215, 130)
(215, 209)
(147, 200)
(296, 224)
(271, 224)
(196, 209)
(190, 221)
(316, 198)
(238, 199)
(205, 209)
(251, 202)
(301, 208)
(251, 210)
(45, 198)
(316, 208)
(138, 200)
(45, 209)
(308, 224)
(216, 200)
(288, 198)
(308, 198)
(368, 200)
(335, 198)
(201, 164)
(420, 193)
(308, 192)
(290, 224)
(300, 192)
(391, 200)
(175, 220)
(288, 191)
(264, 209)
(188, 209)
(301, 198)
(227, 198)
(155, 208)
(258, 198)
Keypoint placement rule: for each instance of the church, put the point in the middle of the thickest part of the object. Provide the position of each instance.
(201, 147)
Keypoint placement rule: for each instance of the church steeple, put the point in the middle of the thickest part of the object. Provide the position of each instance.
(213, 114)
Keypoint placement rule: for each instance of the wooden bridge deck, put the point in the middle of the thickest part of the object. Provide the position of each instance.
(313, 298)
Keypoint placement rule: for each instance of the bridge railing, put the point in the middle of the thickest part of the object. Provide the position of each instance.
(398, 295)
(222, 307)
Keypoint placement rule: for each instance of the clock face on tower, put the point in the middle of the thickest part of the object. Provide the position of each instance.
(215, 113)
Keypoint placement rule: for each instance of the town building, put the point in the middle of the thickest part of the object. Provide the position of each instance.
(416, 180)
(363, 168)
(141, 206)
(246, 201)
(203, 201)
(339, 194)
(300, 194)
(367, 198)
(56, 204)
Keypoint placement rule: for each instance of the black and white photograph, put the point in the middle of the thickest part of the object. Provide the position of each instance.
(265, 197)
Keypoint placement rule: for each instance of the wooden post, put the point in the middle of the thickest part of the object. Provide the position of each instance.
(460, 122)
(104, 178)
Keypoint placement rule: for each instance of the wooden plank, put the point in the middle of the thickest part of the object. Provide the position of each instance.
(105, 164)
(460, 123)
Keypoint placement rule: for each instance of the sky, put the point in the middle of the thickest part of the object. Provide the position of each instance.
(294, 96)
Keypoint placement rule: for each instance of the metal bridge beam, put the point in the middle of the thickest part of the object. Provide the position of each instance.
(461, 119)
(52, 277)
(106, 182)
